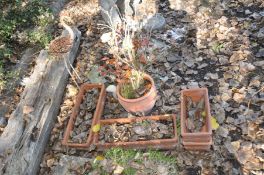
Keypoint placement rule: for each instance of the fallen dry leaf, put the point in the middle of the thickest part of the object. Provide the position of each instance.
(214, 123)
(96, 128)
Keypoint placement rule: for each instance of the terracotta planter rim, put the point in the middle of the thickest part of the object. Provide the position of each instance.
(146, 76)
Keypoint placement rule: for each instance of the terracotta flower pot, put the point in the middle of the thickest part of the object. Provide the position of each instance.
(205, 135)
(143, 104)
(96, 116)
(169, 143)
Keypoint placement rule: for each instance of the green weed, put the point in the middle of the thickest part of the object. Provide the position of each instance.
(217, 47)
(123, 157)
(129, 171)
(21, 22)
(127, 91)
(98, 167)
(161, 157)
(39, 37)
(120, 155)
(5, 52)
(18, 17)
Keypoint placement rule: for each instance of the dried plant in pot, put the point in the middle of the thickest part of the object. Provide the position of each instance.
(195, 116)
(137, 100)
(136, 90)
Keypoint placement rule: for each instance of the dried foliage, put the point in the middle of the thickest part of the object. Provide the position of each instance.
(128, 43)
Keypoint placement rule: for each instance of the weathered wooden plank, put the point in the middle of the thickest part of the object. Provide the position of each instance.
(26, 135)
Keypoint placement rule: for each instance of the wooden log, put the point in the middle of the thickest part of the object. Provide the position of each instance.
(27, 133)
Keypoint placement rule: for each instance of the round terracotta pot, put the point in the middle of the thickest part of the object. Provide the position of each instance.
(143, 104)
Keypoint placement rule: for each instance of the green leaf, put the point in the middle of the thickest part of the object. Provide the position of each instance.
(96, 128)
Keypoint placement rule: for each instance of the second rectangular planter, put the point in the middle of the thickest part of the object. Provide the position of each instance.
(204, 137)
(152, 144)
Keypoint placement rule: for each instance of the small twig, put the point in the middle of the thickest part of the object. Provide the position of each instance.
(65, 62)
(74, 70)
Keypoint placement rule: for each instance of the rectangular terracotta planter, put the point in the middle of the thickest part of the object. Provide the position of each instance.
(96, 116)
(152, 144)
(206, 133)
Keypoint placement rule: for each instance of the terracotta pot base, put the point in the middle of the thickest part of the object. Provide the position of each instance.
(96, 116)
(197, 145)
(203, 139)
(153, 144)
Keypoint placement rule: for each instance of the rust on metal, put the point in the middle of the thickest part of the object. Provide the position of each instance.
(96, 116)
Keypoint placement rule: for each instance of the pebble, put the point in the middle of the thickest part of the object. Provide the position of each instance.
(112, 89)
